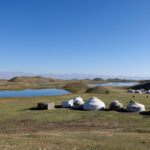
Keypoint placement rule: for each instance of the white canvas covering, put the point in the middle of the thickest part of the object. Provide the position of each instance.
(138, 91)
(67, 103)
(115, 105)
(131, 91)
(94, 104)
(78, 101)
(142, 90)
(148, 92)
(135, 107)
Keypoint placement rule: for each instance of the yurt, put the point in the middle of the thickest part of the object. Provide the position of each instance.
(131, 91)
(135, 107)
(78, 103)
(94, 104)
(138, 91)
(67, 103)
(116, 105)
(148, 92)
(142, 90)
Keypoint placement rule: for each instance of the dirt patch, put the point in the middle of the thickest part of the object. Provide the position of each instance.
(28, 126)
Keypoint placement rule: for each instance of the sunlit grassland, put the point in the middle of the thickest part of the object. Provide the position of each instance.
(67, 129)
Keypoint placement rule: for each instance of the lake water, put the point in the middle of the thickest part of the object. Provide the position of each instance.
(115, 84)
(33, 93)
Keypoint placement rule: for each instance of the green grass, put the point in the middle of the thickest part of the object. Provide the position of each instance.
(67, 129)
(76, 87)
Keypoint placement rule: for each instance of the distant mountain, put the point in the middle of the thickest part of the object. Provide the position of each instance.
(9, 75)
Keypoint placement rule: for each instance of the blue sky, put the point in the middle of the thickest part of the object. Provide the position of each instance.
(109, 37)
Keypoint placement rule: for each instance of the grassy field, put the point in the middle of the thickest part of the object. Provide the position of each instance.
(67, 129)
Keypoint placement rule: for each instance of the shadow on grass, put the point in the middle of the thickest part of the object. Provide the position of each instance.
(146, 113)
(36, 108)
(121, 110)
(58, 106)
(81, 109)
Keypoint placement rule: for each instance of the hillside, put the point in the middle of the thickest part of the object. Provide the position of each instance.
(38, 82)
(36, 79)
(76, 87)
(98, 90)
(143, 85)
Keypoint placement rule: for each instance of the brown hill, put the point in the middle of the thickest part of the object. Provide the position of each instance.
(98, 90)
(30, 79)
(76, 87)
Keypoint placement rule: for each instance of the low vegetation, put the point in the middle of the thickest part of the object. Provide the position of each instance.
(76, 87)
(98, 90)
(22, 127)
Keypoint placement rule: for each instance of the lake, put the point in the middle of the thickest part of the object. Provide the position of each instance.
(33, 93)
(115, 84)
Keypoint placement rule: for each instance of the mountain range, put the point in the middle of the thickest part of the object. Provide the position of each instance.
(9, 75)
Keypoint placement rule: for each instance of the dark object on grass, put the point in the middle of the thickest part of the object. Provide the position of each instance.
(78, 107)
(47, 106)
(145, 113)
(107, 92)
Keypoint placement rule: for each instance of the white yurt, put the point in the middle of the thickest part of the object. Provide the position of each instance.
(78, 103)
(142, 90)
(131, 91)
(116, 105)
(67, 103)
(94, 104)
(148, 92)
(138, 91)
(135, 107)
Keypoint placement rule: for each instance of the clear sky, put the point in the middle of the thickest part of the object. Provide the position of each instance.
(109, 37)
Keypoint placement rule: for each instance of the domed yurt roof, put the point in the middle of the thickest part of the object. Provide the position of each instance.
(135, 107)
(67, 103)
(94, 104)
(131, 91)
(78, 101)
(116, 105)
(148, 92)
(138, 91)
